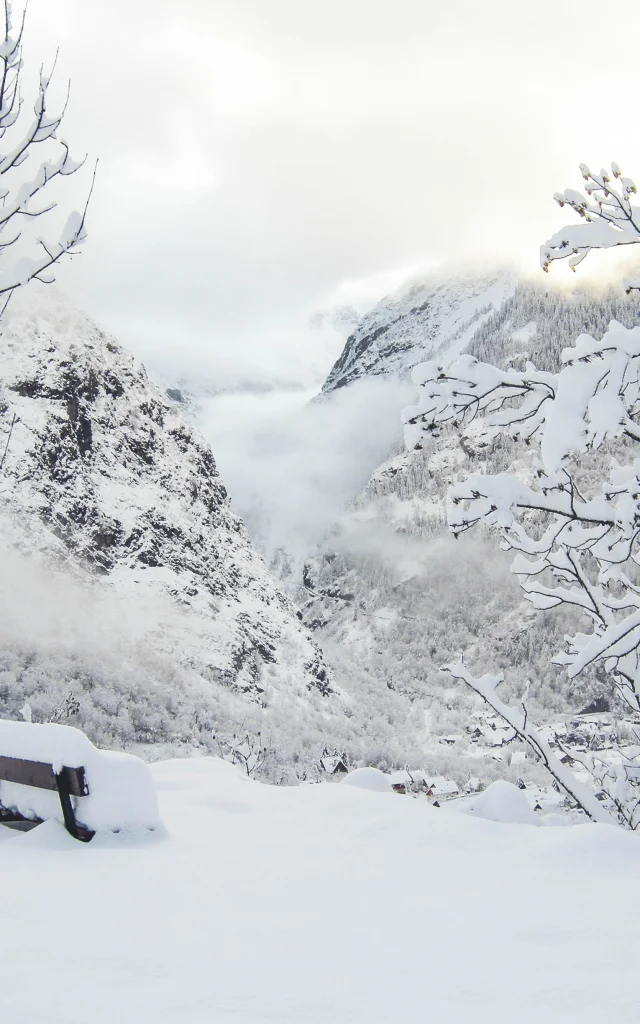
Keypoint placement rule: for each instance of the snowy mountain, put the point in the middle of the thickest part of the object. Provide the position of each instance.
(494, 316)
(391, 595)
(107, 487)
(437, 316)
(135, 604)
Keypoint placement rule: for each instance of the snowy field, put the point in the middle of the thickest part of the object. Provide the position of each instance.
(325, 904)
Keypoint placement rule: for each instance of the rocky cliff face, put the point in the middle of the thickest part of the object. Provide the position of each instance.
(101, 474)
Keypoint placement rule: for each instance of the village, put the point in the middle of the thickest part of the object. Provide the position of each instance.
(595, 731)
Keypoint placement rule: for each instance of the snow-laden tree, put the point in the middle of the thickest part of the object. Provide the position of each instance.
(25, 181)
(576, 542)
(609, 219)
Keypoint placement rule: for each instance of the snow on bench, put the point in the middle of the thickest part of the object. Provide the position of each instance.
(54, 771)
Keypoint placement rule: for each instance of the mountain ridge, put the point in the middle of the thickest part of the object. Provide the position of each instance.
(438, 314)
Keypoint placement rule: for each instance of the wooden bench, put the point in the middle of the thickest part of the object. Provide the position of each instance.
(67, 782)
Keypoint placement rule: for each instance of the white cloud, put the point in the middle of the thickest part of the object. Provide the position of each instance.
(256, 157)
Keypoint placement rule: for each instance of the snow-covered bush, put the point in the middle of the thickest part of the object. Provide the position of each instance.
(21, 185)
(244, 750)
(575, 536)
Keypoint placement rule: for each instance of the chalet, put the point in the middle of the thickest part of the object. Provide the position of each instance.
(435, 787)
(440, 788)
(408, 782)
(333, 764)
(497, 737)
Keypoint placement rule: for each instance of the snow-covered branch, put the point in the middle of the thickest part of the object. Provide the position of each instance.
(571, 549)
(595, 396)
(609, 218)
(573, 546)
(26, 198)
(617, 782)
(517, 717)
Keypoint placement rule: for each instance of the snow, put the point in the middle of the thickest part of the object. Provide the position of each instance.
(121, 792)
(504, 802)
(314, 904)
(369, 778)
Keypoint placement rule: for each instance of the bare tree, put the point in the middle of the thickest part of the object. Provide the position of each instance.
(246, 751)
(67, 708)
(25, 193)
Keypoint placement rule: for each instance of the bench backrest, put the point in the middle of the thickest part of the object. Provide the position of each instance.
(41, 775)
(66, 783)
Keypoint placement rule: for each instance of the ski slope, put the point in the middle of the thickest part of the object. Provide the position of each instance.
(324, 904)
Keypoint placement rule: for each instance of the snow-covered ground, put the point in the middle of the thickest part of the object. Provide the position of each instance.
(317, 904)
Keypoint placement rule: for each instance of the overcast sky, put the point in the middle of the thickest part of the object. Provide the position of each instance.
(258, 157)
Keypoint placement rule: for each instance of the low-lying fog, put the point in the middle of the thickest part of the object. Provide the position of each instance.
(291, 461)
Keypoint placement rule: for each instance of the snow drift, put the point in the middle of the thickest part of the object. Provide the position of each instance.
(315, 904)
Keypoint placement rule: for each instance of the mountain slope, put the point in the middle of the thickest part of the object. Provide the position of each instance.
(493, 316)
(422, 320)
(390, 595)
(101, 475)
